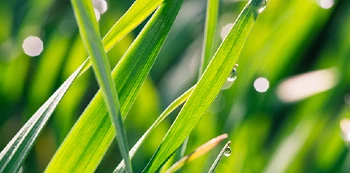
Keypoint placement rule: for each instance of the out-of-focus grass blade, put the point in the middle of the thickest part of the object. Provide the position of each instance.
(15, 152)
(120, 168)
(13, 155)
(92, 134)
(209, 33)
(218, 158)
(208, 86)
(89, 32)
(197, 153)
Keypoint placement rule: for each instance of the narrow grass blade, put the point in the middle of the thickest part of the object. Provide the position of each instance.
(16, 151)
(89, 32)
(121, 167)
(211, 22)
(197, 153)
(218, 158)
(87, 150)
(207, 51)
(208, 86)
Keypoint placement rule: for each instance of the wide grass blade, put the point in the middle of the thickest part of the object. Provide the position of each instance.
(16, 151)
(208, 86)
(197, 153)
(218, 158)
(179, 101)
(89, 32)
(92, 134)
(13, 156)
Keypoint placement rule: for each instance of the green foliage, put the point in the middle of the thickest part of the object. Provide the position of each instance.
(129, 75)
(89, 32)
(208, 86)
(299, 123)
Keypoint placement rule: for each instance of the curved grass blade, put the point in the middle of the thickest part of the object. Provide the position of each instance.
(180, 100)
(218, 158)
(89, 32)
(13, 154)
(208, 86)
(197, 153)
(16, 151)
(87, 150)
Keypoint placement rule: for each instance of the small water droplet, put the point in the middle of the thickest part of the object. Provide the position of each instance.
(227, 152)
(230, 79)
(262, 6)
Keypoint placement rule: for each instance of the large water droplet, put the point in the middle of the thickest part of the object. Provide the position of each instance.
(227, 152)
(262, 6)
(230, 79)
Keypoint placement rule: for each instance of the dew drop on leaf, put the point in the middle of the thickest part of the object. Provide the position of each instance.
(230, 79)
(227, 152)
(262, 6)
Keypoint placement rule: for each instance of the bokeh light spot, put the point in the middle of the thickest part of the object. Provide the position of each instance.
(33, 46)
(261, 84)
(225, 30)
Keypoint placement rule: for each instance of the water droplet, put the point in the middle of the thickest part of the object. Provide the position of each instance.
(262, 6)
(230, 79)
(227, 152)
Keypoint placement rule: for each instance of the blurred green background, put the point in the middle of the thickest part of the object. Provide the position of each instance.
(288, 110)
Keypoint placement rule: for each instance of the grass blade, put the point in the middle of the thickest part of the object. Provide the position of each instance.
(211, 22)
(208, 86)
(89, 32)
(180, 100)
(208, 46)
(87, 150)
(14, 153)
(197, 153)
(218, 158)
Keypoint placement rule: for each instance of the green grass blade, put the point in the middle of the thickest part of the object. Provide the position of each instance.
(87, 150)
(180, 100)
(218, 158)
(208, 86)
(16, 151)
(89, 32)
(207, 52)
(211, 22)
(197, 153)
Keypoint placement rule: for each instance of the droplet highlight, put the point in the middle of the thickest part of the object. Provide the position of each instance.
(262, 6)
(230, 80)
(227, 152)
